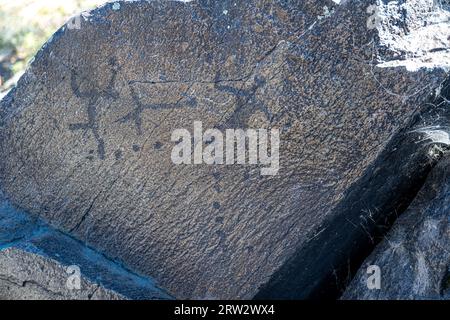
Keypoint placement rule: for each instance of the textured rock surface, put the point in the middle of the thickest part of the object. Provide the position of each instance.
(85, 137)
(25, 275)
(34, 262)
(414, 258)
(324, 268)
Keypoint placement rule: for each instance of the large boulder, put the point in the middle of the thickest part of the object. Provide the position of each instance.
(86, 137)
(414, 257)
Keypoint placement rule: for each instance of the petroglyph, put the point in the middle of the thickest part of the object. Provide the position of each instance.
(91, 98)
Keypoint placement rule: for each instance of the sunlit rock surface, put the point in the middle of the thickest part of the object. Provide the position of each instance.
(85, 138)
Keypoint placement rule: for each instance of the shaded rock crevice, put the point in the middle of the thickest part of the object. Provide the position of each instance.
(324, 269)
(413, 257)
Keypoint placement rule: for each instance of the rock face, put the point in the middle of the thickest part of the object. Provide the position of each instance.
(38, 262)
(85, 138)
(414, 258)
(29, 276)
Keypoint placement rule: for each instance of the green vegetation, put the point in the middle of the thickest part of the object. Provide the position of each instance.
(25, 25)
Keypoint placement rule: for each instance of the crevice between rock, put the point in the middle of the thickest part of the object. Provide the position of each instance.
(323, 268)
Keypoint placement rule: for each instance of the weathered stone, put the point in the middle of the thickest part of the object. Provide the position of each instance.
(37, 262)
(28, 276)
(414, 258)
(86, 136)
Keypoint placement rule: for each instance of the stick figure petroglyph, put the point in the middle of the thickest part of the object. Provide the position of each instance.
(92, 96)
(243, 97)
(136, 114)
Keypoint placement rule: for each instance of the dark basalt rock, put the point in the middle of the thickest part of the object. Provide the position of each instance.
(414, 257)
(30, 276)
(38, 262)
(85, 138)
